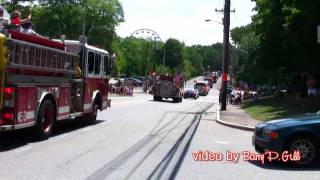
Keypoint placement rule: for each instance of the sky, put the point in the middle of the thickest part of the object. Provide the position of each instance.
(182, 19)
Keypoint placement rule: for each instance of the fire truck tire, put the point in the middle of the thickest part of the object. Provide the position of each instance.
(92, 117)
(175, 100)
(157, 98)
(45, 120)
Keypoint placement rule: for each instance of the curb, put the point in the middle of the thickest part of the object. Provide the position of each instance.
(218, 120)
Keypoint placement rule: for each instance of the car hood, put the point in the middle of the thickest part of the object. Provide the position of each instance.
(294, 121)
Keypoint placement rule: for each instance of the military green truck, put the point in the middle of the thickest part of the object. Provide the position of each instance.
(166, 86)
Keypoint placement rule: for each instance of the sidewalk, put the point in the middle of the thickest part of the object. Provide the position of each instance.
(235, 117)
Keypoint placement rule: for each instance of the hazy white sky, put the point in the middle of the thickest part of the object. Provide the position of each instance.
(183, 19)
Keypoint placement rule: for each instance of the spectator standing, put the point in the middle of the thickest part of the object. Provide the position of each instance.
(312, 91)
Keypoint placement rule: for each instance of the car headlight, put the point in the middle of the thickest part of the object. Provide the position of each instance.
(270, 134)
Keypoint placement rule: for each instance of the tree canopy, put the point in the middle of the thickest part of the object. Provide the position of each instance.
(281, 41)
(94, 18)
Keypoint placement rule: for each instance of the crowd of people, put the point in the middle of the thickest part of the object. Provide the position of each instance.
(310, 91)
(122, 88)
(236, 97)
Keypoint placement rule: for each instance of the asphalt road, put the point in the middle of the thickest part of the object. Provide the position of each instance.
(138, 138)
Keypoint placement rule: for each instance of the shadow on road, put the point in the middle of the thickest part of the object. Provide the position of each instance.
(14, 139)
(164, 100)
(275, 165)
(170, 164)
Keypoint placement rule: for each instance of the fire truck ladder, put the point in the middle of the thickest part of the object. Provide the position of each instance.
(25, 55)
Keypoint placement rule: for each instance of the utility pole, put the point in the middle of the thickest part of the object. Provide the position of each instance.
(226, 28)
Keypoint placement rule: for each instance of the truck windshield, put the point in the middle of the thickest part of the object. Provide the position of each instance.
(167, 78)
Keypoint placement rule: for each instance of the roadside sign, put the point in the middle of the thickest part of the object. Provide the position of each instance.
(318, 34)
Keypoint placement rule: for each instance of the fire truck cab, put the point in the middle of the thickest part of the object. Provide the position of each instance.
(96, 66)
(44, 81)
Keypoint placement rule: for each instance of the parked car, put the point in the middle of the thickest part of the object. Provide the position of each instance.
(190, 92)
(300, 134)
(202, 87)
(135, 82)
(142, 79)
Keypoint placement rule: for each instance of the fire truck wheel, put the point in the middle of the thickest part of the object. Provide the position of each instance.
(157, 98)
(92, 117)
(45, 120)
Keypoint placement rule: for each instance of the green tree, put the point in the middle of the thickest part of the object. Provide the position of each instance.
(95, 18)
(12, 5)
(195, 60)
(174, 55)
(280, 42)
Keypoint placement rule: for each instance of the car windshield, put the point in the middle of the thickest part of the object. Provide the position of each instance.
(189, 87)
(201, 84)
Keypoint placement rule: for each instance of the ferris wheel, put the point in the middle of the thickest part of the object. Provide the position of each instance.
(147, 34)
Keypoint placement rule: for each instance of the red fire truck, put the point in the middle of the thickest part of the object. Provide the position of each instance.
(43, 81)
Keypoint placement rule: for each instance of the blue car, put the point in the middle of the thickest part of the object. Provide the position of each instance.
(298, 134)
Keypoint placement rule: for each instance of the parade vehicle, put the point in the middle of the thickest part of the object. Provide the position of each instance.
(209, 80)
(214, 77)
(167, 86)
(190, 92)
(203, 87)
(43, 81)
